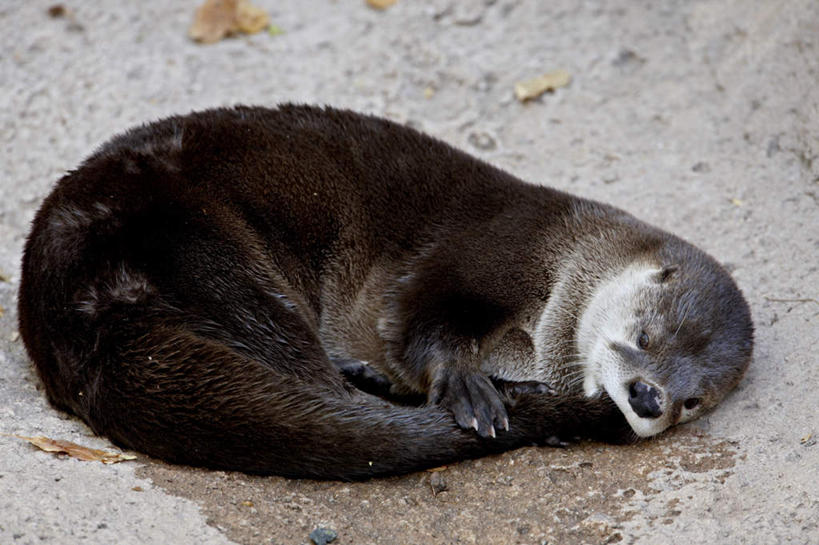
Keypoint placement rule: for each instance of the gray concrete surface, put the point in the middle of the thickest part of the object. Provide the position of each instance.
(701, 117)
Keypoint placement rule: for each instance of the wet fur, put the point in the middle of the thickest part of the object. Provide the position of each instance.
(186, 290)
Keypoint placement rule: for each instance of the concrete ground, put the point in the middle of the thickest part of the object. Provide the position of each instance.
(701, 117)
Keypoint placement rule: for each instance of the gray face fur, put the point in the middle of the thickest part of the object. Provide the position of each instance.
(666, 343)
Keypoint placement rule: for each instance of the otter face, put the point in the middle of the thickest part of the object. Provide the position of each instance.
(666, 343)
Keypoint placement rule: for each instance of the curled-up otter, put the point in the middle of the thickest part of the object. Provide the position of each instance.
(272, 291)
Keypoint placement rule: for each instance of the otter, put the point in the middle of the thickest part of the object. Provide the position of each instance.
(273, 290)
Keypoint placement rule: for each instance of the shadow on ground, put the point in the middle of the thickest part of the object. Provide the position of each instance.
(582, 494)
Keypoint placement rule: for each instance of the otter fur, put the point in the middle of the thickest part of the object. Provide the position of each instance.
(260, 290)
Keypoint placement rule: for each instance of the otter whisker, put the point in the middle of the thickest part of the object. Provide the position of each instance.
(685, 315)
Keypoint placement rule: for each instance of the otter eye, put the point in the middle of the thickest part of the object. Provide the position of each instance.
(642, 340)
(691, 403)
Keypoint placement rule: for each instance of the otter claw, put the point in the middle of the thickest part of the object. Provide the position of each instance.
(472, 399)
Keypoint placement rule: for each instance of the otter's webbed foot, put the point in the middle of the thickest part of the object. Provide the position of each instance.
(513, 388)
(471, 398)
(362, 376)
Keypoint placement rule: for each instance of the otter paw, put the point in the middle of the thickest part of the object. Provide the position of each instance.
(471, 398)
(362, 376)
(513, 389)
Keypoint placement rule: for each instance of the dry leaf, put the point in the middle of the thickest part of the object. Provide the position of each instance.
(76, 451)
(213, 20)
(380, 4)
(216, 19)
(4, 277)
(533, 88)
(251, 19)
(2, 311)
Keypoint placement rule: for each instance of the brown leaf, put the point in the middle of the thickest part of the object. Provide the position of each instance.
(380, 4)
(533, 88)
(213, 20)
(217, 19)
(76, 451)
(251, 19)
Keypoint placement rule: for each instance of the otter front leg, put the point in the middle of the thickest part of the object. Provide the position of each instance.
(433, 332)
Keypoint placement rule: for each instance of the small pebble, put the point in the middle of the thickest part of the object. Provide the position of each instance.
(627, 56)
(701, 167)
(323, 536)
(773, 147)
(437, 482)
(482, 141)
(57, 10)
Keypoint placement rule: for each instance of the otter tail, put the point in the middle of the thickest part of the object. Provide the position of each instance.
(176, 396)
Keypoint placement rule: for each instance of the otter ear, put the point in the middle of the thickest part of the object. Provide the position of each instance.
(665, 274)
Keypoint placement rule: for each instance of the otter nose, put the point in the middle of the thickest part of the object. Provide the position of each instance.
(644, 399)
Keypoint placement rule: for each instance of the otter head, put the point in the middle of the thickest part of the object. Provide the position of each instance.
(665, 340)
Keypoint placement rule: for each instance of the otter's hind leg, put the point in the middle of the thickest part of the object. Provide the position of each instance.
(515, 388)
(362, 376)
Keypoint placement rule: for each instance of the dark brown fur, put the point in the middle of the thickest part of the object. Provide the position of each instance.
(185, 290)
